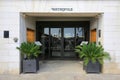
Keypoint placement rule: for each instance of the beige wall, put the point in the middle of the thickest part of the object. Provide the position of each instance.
(12, 20)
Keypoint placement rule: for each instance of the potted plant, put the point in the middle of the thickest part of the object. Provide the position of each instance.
(30, 52)
(93, 56)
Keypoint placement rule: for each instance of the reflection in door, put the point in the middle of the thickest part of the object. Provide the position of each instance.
(79, 35)
(69, 42)
(55, 38)
(69, 38)
(60, 42)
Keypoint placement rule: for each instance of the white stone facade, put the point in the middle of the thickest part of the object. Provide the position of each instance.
(13, 20)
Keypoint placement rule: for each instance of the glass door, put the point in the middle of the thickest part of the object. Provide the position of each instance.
(55, 42)
(60, 42)
(69, 42)
(59, 38)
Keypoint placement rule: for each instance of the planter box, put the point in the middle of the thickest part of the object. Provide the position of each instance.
(93, 67)
(30, 65)
(37, 60)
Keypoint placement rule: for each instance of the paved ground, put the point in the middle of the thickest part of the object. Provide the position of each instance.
(61, 66)
(60, 70)
(60, 76)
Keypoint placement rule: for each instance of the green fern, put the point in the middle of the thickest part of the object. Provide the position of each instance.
(92, 52)
(30, 50)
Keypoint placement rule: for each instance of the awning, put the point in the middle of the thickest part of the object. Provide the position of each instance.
(62, 14)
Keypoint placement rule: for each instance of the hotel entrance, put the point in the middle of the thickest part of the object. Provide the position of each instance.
(62, 42)
(60, 38)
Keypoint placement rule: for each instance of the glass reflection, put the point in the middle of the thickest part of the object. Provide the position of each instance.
(45, 41)
(79, 35)
(56, 38)
(46, 31)
(69, 43)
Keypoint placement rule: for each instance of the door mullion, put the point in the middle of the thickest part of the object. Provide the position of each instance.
(62, 42)
(49, 43)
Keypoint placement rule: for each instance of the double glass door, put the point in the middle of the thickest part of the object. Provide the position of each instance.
(60, 42)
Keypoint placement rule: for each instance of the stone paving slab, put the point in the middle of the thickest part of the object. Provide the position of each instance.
(60, 76)
(61, 66)
(60, 70)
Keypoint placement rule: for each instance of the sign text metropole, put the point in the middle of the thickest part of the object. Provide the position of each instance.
(62, 9)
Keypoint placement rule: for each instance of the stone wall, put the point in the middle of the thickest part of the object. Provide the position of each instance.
(11, 20)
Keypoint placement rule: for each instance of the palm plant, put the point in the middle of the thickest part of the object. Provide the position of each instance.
(30, 50)
(92, 52)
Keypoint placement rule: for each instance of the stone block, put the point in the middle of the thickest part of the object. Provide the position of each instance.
(14, 68)
(111, 68)
(4, 69)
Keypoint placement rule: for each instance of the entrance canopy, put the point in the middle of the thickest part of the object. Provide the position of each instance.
(61, 14)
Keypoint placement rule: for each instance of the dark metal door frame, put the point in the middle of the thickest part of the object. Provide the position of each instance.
(60, 24)
(62, 50)
(62, 43)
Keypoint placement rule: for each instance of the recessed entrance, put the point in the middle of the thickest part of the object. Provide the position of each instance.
(60, 38)
(59, 33)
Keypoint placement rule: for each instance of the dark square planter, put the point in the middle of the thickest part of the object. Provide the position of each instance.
(93, 67)
(30, 65)
(37, 65)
